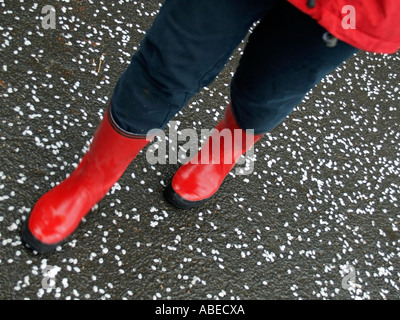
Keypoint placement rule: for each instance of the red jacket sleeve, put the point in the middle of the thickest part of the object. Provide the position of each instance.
(370, 25)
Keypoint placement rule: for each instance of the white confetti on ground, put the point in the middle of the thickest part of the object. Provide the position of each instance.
(323, 195)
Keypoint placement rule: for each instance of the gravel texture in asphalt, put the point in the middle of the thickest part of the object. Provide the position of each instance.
(320, 207)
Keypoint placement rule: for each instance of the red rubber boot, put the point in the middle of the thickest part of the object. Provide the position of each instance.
(58, 213)
(198, 180)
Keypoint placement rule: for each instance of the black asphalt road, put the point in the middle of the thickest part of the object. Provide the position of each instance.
(320, 208)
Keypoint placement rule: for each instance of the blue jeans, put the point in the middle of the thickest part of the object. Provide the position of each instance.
(190, 42)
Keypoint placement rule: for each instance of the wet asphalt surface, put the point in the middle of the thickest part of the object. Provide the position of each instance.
(323, 195)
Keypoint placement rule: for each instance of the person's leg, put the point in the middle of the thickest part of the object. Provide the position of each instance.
(185, 49)
(187, 46)
(284, 58)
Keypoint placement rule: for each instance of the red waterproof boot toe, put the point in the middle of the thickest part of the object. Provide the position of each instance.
(58, 213)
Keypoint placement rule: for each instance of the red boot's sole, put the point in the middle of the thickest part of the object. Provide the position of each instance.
(33, 243)
(176, 200)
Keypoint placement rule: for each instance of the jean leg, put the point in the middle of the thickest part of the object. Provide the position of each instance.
(187, 46)
(285, 57)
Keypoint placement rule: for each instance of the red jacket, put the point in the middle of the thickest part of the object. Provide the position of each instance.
(370, 25)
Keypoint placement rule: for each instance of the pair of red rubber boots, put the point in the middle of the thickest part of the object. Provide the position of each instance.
(58, 212)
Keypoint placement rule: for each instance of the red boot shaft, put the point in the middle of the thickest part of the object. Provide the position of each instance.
(199, 179)
(58, 213)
